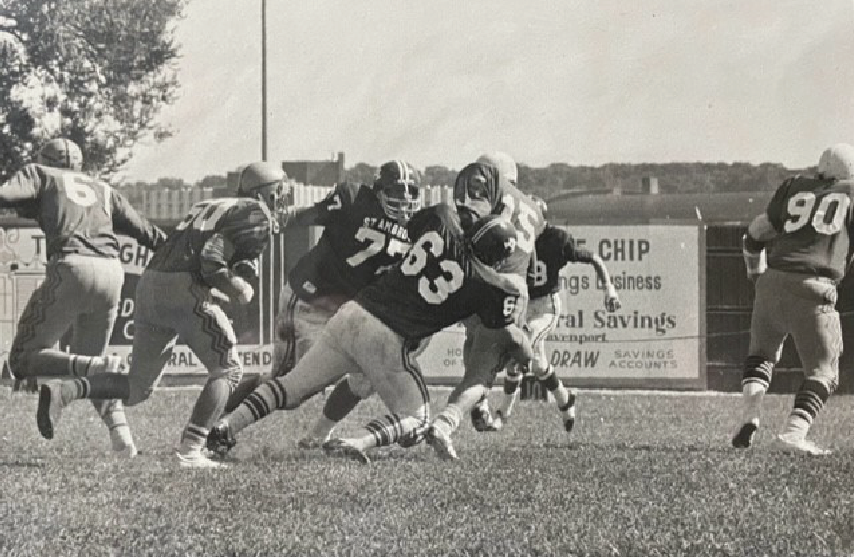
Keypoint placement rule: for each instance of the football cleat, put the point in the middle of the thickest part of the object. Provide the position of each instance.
(795, 442)
(345, 448)
(499, 420)
(310, 443)
(28, 385)
(442, 444)
(195, 459)
(481, 418)
(49, 409)
(128, 451)
(744, 437)
(221, 440)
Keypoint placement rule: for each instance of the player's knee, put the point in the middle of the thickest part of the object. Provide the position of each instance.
(18, 363)
(232, 374)
(540, 368)
(826, 376)
(138, 395)
(758, 370)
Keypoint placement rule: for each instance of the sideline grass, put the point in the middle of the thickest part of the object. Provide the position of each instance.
(641, 475)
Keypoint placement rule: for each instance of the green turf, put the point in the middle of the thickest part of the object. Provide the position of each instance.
(641, 475)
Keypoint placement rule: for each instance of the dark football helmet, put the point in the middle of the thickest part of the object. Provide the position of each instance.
(61, 153)
(492, 239)
(398, 187)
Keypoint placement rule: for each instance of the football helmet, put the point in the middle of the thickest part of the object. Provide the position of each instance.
(504, 163)
(398, 187)
(61, 153)
(837, 161)
(266, 182)
(492, 239)
(476, 192)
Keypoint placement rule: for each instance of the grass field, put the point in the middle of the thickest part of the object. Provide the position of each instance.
(641, 475)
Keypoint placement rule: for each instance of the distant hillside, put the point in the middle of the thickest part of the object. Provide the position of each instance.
(692, 177)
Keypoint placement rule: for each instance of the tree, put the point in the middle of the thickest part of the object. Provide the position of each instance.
(362, 173)
(95, 71)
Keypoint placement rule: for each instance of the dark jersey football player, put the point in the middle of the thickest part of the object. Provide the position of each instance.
(445, 277)
(364, 235)
(797, 252)
(80, 216)
(174, 298)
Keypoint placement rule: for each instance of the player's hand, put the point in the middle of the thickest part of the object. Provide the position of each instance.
(247, 269)
(244, 290)
(612, 299)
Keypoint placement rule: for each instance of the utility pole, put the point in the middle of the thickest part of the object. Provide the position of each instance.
(264, 80)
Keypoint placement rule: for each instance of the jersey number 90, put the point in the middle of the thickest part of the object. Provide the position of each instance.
(804, 208)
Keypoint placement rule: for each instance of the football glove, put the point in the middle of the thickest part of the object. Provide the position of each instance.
(612, 299)
(243, 290)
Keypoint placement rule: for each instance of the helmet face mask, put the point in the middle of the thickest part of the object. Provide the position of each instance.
(265, 182)
(472, 193)
(398, 188)
(505, 164)
(61, 153)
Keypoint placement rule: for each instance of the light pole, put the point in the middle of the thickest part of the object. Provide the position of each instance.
(264, 80)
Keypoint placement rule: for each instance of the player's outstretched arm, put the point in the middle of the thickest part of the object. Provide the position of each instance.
(127, 220)
(22, 187)
(612, 299)
(215, 271)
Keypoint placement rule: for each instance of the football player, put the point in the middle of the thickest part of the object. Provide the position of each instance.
(797, 252)
(444, 278)
(482, 188)
(80, 216)
(364, 235)
(555, 248)
(212, 250)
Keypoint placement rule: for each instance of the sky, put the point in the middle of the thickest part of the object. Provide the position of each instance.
(441, 82)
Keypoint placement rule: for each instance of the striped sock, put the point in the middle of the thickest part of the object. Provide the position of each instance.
(448, 420)
(112, 413)
(263, 401)
(193, 438)
(555, 386)
(74, 389)
(386, 430)
(808, 403)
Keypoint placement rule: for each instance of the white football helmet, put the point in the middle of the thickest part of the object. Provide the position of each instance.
(837, 161)
(61, 153)
(504, 163)
(266, 182)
